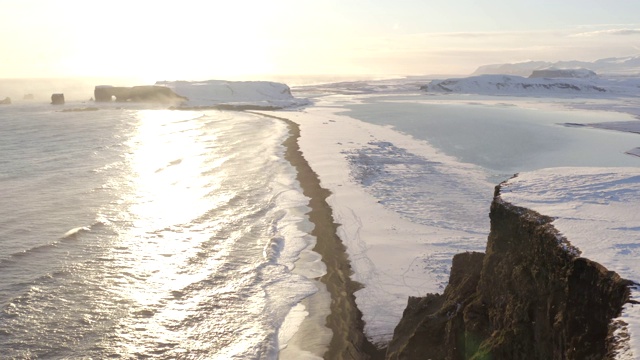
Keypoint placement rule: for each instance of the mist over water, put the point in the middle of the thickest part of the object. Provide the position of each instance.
(74, 89)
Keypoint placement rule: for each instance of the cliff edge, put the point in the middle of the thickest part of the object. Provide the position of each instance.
(530, 296)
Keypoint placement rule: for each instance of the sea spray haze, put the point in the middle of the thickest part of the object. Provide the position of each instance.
(146, 233)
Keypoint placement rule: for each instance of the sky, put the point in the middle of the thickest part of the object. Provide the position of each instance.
(232, 39)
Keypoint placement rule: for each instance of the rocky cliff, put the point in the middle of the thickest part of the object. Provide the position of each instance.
(530, 296)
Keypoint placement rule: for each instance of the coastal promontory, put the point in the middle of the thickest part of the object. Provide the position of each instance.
(530, 296)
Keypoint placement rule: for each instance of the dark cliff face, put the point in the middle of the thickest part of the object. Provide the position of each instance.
(529, 297)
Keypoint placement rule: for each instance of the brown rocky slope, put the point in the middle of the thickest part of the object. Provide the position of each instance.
(530, 296)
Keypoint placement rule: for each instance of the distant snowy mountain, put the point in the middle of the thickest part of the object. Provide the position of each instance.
(618, 66)
(553, 72)
(517, 85)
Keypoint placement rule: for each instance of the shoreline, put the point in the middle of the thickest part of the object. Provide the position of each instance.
(345, 321)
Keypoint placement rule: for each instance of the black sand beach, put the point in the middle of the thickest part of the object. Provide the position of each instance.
(345, 320)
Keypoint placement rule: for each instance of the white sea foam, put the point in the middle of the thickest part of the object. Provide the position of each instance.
(74, 232)
(293, 245)
(291, 324)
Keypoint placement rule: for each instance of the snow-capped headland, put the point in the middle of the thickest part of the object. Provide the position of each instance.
(531, 294)
(595, 209)
(235, 94)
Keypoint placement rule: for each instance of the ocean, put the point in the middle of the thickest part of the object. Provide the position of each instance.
(148, 233)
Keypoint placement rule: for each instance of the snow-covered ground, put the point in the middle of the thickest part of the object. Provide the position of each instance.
(406, 207)
(596, 209)
(401, 235)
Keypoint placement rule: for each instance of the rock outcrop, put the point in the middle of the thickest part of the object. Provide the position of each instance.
(57, 99)
(147, 94)
(531, 296)
(6, 101)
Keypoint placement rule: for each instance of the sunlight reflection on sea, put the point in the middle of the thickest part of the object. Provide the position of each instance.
(174, 262)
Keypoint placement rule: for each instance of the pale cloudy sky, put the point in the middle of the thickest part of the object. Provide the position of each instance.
(195, 39)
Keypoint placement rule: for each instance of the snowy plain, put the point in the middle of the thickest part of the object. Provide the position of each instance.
(400, 199)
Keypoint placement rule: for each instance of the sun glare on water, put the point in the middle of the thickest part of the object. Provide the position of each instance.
(165, 195)
(166, 164)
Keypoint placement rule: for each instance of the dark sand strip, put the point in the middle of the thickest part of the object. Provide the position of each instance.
(345, 320)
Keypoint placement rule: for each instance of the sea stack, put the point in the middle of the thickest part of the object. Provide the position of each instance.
(57, 99)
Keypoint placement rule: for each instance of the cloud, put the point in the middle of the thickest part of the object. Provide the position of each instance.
(608, 32)
(471, 34)
(483, 34)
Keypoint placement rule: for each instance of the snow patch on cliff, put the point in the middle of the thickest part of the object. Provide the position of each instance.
(597, 210)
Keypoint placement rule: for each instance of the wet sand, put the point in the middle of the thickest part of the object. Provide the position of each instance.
(345, 320)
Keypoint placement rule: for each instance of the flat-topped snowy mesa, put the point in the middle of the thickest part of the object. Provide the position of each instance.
(512, 85)
(601, 78)
(238, 95)
(614, 75)
(596, 210)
